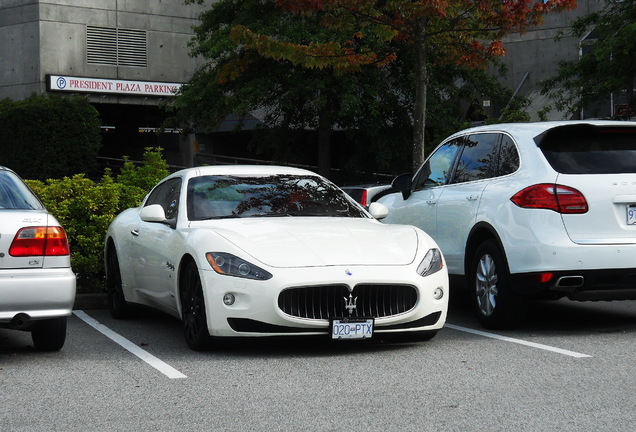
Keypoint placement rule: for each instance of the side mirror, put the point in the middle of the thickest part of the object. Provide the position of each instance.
(403, 184)
(153, 213)
(378, 211)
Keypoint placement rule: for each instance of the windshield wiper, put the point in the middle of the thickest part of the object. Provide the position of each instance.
(286, 214)
(229, 216)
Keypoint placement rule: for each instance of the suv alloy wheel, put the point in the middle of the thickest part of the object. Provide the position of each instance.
(497, 306)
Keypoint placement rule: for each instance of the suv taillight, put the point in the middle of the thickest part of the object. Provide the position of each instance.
(363, 198)
(559, 198)
(39, 241)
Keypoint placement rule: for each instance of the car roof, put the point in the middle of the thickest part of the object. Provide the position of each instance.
(533, 129)
(244, 170)
(4, 168)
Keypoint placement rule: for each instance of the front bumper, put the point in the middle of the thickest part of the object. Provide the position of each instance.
(256, 310)
(36, 293)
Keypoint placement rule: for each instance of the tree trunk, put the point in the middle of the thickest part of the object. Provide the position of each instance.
(324, 143)
(421, 87)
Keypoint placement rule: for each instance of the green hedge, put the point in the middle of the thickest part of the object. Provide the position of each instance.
(85, 208)
(44, 137)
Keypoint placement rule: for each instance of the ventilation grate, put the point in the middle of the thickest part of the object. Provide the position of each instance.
(116, 47)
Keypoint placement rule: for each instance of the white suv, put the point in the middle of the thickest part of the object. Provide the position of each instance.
(534, 210)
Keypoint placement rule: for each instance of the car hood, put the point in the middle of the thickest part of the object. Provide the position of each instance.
(309, 242)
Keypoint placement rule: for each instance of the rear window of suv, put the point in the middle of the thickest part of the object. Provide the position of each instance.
(589, 149)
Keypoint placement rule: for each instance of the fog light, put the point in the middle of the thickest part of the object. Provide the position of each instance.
(438, 293)
(229, 299)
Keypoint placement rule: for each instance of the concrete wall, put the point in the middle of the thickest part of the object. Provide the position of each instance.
(534, 56)
(49, 37)
(19, 48)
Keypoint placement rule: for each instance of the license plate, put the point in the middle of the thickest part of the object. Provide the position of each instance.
(352, 328)
(631, 214)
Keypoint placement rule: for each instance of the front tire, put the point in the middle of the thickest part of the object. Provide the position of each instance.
(496, 305)
(195, 323)
(117, 304)
(49, 334)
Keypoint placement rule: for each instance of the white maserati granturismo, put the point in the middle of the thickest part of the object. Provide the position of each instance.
(253, 251)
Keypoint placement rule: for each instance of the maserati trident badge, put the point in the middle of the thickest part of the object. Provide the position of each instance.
(350, 303)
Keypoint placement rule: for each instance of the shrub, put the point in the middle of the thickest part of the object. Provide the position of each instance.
(85, 208)
(49, 136)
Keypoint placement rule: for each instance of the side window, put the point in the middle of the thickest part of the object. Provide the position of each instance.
(508, 157)
(436, 170)
(167, 195)
(477, 161)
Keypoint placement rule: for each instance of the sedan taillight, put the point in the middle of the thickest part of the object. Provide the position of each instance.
(559, 198)
(40, 241)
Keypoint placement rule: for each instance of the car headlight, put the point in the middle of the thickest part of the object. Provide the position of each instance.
(230, 265)
(432, 263)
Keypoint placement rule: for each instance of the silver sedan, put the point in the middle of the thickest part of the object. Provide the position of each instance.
(37, 285)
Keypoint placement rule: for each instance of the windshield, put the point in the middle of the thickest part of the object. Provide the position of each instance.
(214, 197)
(14, 195)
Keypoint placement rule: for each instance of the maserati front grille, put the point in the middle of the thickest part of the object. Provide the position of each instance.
(333, 301)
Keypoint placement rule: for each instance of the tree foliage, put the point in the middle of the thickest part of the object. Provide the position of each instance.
(607, 67)
(290, 98)
(295, 91)
(448, 31)
(49, 136)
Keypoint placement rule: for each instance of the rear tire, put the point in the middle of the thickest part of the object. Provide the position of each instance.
(49, 334)
(195, 323)
(496, 305)
(117, 304)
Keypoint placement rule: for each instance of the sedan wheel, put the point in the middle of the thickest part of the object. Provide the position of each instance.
(49, 334)
(195, 323)
(497, 306)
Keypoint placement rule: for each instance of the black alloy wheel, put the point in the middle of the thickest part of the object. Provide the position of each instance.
(195, 324)
(117, 304)
(496, 305)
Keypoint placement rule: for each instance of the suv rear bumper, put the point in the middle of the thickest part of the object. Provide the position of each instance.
(583, 285)
(36, 293)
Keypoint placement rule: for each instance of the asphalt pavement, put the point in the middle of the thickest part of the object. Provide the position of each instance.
(568, 368)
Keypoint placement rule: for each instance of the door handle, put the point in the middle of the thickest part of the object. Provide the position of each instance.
(135, 233)
(431, 202)
(472, 197)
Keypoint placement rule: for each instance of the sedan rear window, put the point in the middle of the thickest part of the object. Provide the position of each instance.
(588, 149)
(14, 195)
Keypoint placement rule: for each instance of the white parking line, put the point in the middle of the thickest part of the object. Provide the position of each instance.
(518, 341)
(153, 361)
